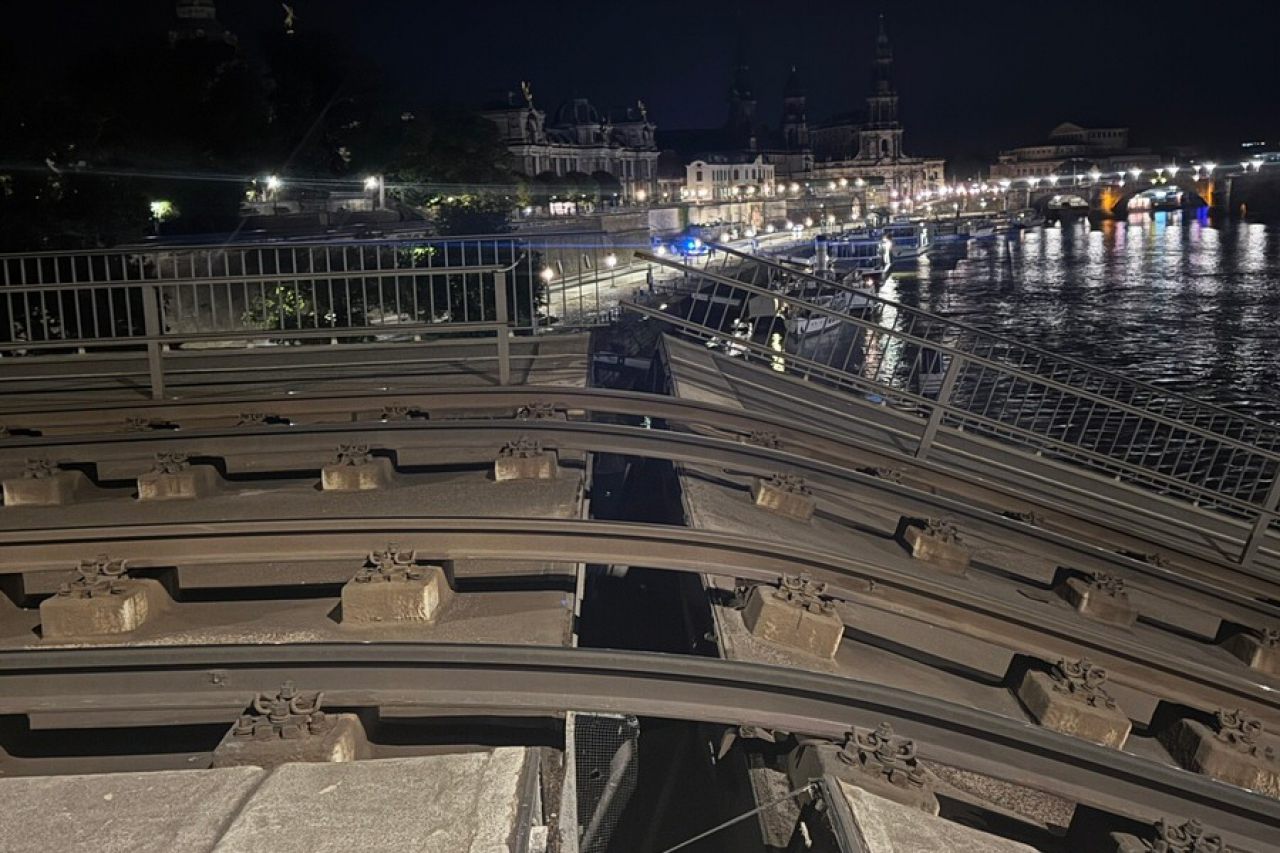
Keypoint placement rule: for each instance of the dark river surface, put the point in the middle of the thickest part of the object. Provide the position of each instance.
(1179, 299)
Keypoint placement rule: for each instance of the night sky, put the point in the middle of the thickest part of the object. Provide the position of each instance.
(974, 75)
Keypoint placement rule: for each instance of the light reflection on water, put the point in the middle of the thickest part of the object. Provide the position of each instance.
(1166, 297)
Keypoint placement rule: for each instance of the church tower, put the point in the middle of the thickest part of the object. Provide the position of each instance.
(795, 124)
(881, 138)
(742, 108)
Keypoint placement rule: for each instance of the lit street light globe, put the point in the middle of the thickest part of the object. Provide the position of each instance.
(274, 183)
(546, 274)
(371, 183)
(611, 260)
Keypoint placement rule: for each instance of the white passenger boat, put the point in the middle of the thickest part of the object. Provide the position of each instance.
(907, 242)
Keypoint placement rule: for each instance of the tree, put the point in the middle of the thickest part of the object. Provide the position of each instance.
(610, 186)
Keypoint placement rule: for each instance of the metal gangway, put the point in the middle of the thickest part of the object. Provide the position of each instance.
(949, 374)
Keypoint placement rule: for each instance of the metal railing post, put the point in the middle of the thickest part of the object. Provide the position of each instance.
(1266, 514)
(935, 414)
(504, 327)
(151, 328)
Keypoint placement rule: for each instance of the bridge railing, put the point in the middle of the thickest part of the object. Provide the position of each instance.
(1061, 370)
(66, 304)
(955, 376)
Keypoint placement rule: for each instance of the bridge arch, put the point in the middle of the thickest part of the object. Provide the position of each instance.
(1115, 200)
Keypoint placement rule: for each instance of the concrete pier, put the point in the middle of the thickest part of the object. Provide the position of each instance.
(1235, 749)
(287, 726)
(795, 615)
(936, 542)
(1071, 699)
(1101, 598)
(876, 760)
(392, 587)
(173, 477)
(356, 469)
(525, 459)
(43, 484)
(786, 495)
(101, 601)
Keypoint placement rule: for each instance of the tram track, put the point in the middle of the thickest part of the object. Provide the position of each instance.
(1097, 514)
(262, 450)
(1031, 628)
(128, 686)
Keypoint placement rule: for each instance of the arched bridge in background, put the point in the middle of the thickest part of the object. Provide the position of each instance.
(1111, 199)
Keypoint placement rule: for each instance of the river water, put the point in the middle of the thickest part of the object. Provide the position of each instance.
(1176, 298)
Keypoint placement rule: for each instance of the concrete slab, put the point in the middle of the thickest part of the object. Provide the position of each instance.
(458, 803)
(885, 826)
(196, 481)
(157, 812)
(935, 542)
(1235, 750)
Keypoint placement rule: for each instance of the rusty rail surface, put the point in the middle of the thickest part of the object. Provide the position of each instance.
(946, 602)
(159, 686)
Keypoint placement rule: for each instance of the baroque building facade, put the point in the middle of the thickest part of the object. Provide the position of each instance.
(869, 147)
(579, 138)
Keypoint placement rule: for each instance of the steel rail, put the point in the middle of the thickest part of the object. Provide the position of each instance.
(790, 430)
(946, 602)
(673, 446)
(154, 686)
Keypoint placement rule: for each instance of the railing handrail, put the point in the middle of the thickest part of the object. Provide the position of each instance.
(995, 336)
(117, 284)
(1140, 474)
(973, 358)
(143, 249)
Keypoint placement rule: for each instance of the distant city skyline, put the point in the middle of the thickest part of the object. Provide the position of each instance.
(973, 78)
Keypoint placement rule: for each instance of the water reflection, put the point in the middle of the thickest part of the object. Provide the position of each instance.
(1173, 298)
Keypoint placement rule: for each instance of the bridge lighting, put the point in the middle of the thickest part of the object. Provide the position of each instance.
(1032, 182)
(1005, 183)
(274, 183)
(1136, 172)
(1172, 170)
(1257, 164)
(1120, 175)
(546, 274)
(611, 260)
(808, 222)
(844, 182)
(1053, 180)
(371, 183)
(1094, 174)
(1209, 167)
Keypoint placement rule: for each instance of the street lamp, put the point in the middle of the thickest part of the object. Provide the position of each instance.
(1136, 172)
(274, 183)
(1209, 167)
(641, 195)
(611, 260)
(1172, 170)
(546, 275)
(1095, 174)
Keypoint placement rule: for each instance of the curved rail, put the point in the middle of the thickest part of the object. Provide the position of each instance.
(945, 602)
(161, 684)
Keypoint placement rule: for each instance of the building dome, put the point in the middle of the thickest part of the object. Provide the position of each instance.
(577, 111)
